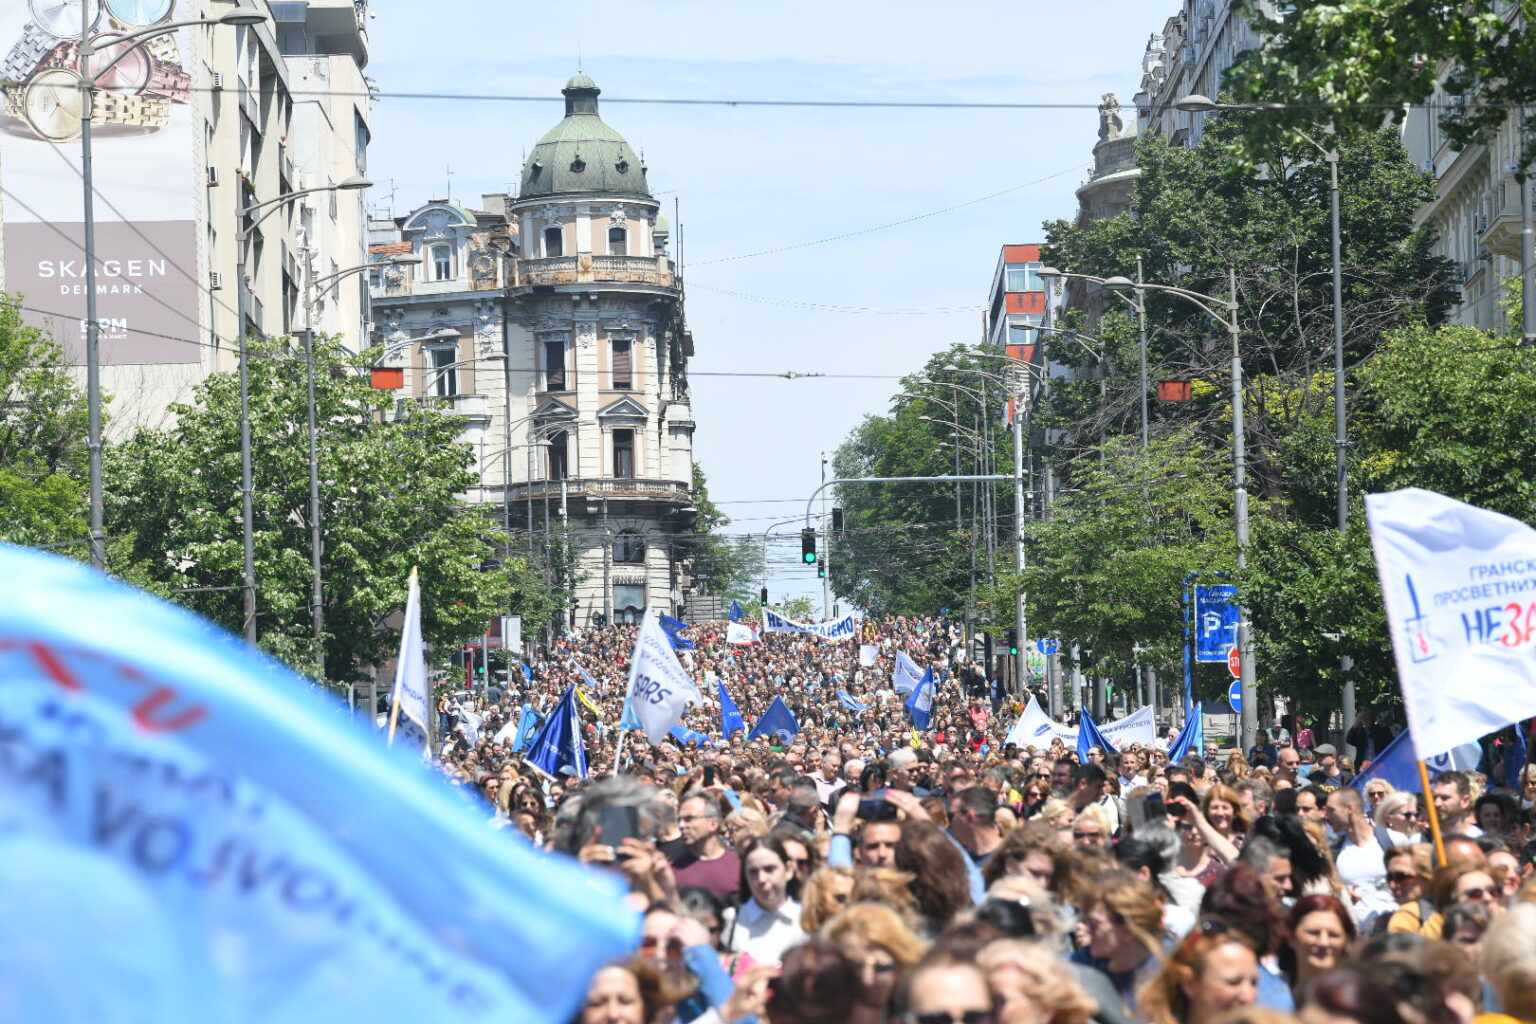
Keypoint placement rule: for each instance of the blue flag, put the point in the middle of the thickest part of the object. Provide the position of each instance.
(730, 715)
(1088, 735)
(920, 701)
(737, 615)
(672, 627)
(1398, 763)
(557, 749)
(630, 720)
(172, 795)
(528, 722)
(1515, 756)
(850, 702)
(685, 735)
(777, 721)
(1191, 737)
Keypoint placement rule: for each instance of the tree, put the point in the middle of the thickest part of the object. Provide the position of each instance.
(43, 431)
(1356, 62)
(389, 497)
(729, 567)
(798, 608)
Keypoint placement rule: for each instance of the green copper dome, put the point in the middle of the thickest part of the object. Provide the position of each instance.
(581, 153)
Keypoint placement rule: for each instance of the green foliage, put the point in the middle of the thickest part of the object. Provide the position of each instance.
(1359, 61)
(389, 497)
(43, 431)
(1106, 570)
(801, 609)
(726, 566)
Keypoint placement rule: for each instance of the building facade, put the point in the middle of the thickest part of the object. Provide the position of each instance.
(554, 322)
(1191, 54)
(200, 123)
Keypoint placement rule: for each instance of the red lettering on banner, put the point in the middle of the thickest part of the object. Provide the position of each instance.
(50, 663)
(151, 713)
(144, 711)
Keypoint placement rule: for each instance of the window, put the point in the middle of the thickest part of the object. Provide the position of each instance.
(554, 242)
(623, 363)
(624, 454)
(628, 602)
(629, 548)
(442, 263)
(1021, 334)
(443, 377)
(1023, 278)
(618, 242)
(554, 366)
(558, 456)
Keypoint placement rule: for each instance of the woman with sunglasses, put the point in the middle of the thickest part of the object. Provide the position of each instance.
(1399, 814)
(1466, 882)
(1409, 869)
(1124, 920)
(879, 946)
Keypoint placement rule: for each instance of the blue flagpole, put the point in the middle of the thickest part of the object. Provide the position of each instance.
(1189, 656)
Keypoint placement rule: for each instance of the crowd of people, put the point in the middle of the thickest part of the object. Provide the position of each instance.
(862, 871)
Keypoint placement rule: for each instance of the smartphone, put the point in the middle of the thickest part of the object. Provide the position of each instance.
(875, 807)
(709, 775)
(618, 824)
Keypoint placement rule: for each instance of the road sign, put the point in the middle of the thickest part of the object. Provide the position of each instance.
(1235, 696)
(1235, 663)
(1215, 621)
(1048, 646)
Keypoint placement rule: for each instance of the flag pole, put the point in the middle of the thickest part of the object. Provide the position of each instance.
(1434, 817)
(618, 754)
(394, 693)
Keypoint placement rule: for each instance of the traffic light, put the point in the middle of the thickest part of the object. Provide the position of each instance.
(821, 570)
(808, 546)
(762, 598)
(837, 520)
(1013, 641)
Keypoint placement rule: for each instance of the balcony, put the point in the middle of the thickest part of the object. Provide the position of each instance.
(1501, 232)
(599, 487)
(657, 271)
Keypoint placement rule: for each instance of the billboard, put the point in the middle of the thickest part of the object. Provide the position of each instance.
(142, 168)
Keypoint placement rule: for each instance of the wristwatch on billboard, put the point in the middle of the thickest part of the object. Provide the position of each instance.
(61, 18)
(139, 111)
(138, 70)
(52, 104)
(140, 13)
(27, 54)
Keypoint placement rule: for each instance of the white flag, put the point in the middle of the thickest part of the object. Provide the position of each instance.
(410, 703)
(472, 723)
(659, 686)
(740, 633)
(1459, 584)
(907, 674)
(868, 655)
(1033, 729)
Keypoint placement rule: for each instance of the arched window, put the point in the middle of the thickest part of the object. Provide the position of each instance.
(554, 242)
(628, 548)
(618, 242)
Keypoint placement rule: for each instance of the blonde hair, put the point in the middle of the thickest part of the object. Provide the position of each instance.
(1132, 902)
(877, 925)
(1095, 816)
(754, 821)
(889, 886)
(1053, 808)
(1163, 1000)
(1508, 960)
(816, 903)
(1046, 982)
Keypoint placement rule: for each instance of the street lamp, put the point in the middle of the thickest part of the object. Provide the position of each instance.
(242, 291)
(1118, 286)
(1195, 103)
(88, 78)
(1227, 315)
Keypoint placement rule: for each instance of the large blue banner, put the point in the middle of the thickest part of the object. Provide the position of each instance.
(1215, 621)
(191, 832)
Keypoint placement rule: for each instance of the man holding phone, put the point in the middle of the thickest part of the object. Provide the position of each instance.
(708, 864)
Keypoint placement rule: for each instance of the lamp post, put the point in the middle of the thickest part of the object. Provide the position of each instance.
(1138, 302)
(317, 591)
(242, 290)
(88, 90)
(1225, 311)
(1195, 103)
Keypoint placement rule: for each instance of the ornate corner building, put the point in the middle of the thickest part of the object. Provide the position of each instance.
(553, 322)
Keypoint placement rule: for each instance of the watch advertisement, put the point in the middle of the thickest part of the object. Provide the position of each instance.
(142, 167)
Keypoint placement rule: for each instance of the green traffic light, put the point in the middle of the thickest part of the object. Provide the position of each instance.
(810, 558)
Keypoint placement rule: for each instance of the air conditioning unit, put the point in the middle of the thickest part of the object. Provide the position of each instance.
(218, 81)
(215, 280)
(213, 175)
(1479, 224)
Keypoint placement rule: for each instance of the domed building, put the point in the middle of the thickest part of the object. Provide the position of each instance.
(581, 415)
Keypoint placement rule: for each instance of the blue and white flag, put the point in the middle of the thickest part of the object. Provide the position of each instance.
(557, 749)
(920, 703)
(850, 702)
(1191, 738)
(411, 701)
(685, 736)
(1033, 729)
(737, 615)
(833, 629)
(777, 721)
(906, 675)
(192, 832)
(1459, 583)
(740, 633)
(730, 715)
(659, 687)
(1399, 764)
(673, 627)
(1089, 736)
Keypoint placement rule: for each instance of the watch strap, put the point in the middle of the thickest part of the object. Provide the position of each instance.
(27, 54)
(120, 108)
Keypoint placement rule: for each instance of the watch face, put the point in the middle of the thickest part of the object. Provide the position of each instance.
(130, 74)
(53, 104)
(135, 13)
(61, 18)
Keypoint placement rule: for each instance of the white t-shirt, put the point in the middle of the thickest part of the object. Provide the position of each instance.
(1361, 868)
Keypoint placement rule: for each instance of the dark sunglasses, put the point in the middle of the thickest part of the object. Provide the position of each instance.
(948, 1017)
(1400, 877)
(1474, 894)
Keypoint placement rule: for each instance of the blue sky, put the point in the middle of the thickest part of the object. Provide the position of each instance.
(750, 179)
